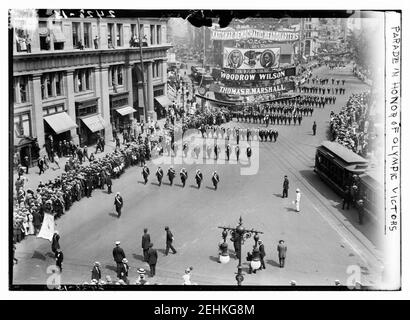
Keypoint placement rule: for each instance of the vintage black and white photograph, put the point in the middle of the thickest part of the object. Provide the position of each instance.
(204, 149)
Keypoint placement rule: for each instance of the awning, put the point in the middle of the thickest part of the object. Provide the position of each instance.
(22, 141)
(94, 123)
(163, 101)
(43, 31)
(60, 122)
(58, 35)
(125, 110)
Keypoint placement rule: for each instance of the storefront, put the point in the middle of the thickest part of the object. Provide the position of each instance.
(121, 113)
(161, 104)
(58, 126)
(90, 124)
(25, 146)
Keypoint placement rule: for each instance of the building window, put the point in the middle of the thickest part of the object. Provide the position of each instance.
(134, 30)
(51, 85)
(159, 35)
(115, 76)
(22, 126)
(119, 75)
(53, 109)
(152, 34)
(21, 89)
(44, 33)
(58, 35)
(23, 43)
(87, 35)
(59, 84)
(119, 35)
(76, 34)
(82, 80)
(110, 35)
(82, 110)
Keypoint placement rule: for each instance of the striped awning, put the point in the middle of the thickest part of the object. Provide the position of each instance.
(163, 101)
(125, 110)
(94, 123)
(60, 122)
(58, 35)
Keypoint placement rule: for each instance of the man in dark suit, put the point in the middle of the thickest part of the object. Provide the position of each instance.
(198, 177)
(169, 240)
(171, 175)
(146, 240)
(159, 174)
(145, 173)
(59, 259)
(262, 253)
(96, 271)
(152, 259)
(285, 187)
(118, 202)
(55, 245)
(184, 176)
(109, 182)
(118, 254)
(282, 248)
(249, 153)
(215, 179)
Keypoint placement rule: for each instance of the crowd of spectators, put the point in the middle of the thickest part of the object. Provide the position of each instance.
(350, 127)
(78, 181)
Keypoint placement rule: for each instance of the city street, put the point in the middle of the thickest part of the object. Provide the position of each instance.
(322, 240)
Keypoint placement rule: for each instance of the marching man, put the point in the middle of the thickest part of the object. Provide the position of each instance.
(215, 179)
(118, 202)
(184, 176)
(145, 173)
(171, 175)
(159, 175)
(237, 151)
(198, 177)
(228, 151)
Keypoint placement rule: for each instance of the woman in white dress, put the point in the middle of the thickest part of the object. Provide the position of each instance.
(297, 201)
(30, 230)
(56, 160)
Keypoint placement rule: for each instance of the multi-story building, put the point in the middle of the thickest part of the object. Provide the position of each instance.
(310, 36)
(76, 78)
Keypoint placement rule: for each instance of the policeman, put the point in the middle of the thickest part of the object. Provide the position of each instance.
(159, 175)
(215, 179)
(171, 175)
(145, 173)
(118, 202)
(184, 176)
(228, 151)
(249, 153)
(198, 177)
(237, 151)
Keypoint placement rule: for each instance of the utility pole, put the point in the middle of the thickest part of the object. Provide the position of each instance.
(203, 59)
(144, 84)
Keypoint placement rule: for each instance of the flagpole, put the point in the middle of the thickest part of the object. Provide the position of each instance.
(144, 84)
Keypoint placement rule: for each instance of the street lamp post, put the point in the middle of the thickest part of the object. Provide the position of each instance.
(243, 234)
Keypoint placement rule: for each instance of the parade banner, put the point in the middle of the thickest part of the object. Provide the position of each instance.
(251, 59)
(254, 33)
(286, 86)
(228, 75)
(47, 228)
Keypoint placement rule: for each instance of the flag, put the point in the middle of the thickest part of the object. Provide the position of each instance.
(47, 228)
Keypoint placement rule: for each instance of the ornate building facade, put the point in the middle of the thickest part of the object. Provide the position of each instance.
(80, 78)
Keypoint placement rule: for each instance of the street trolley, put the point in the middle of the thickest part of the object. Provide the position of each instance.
(336, 165)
